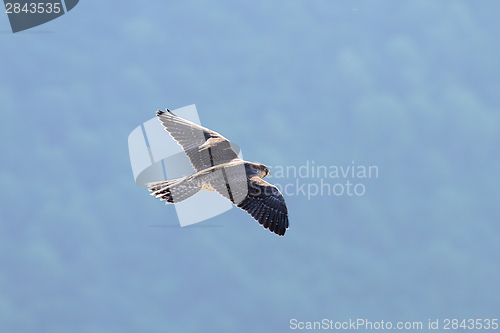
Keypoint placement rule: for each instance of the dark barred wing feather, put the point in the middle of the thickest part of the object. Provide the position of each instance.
(266, 205)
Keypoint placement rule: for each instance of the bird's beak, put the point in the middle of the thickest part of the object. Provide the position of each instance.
(268, 173)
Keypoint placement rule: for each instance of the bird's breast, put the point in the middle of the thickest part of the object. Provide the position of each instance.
(207, 187)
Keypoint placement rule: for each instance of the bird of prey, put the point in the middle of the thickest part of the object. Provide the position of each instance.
(218, 168)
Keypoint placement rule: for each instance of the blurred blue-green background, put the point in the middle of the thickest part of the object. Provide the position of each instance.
(411, 87)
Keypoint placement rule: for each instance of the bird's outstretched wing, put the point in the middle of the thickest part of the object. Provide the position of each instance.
(205, 148)
(266, 204)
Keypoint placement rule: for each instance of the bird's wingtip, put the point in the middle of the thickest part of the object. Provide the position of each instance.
(160, 112)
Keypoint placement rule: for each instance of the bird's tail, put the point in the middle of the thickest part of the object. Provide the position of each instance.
(174, 190)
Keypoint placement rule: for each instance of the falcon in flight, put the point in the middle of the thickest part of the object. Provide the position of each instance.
(218, 168)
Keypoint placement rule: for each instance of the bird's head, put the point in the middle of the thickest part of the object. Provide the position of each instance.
(264, 171)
